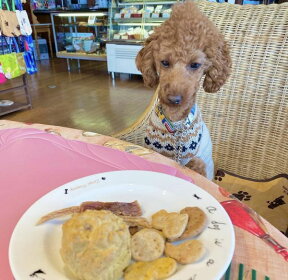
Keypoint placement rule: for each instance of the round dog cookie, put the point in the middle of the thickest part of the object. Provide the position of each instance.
(147, 245)
(175, 225)
(196, 223)
(158, 269)
(158, 219)
(188, 252)
(138, 270)
(172, 224)
(163, 267)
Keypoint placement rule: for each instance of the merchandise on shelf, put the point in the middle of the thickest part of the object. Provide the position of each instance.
(82, 43)
(44, 4)
(16, 54)
(80, 35)
(77, 4)
(43, 49)
(98, 4)
(136, 20)
(69, 4)
(130, 23)
(131, 33)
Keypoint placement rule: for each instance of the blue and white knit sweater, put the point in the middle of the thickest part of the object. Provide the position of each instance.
(188, 138)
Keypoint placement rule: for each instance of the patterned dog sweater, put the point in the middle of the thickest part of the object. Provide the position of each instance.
(180, 140)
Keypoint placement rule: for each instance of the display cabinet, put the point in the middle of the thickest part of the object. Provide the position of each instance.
(131, 20)
(80, 35)
(130, 23)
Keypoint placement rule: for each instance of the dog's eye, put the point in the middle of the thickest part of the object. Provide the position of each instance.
(194, 66)
(165, 63)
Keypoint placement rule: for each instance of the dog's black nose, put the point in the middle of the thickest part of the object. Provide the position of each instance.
(175, 99)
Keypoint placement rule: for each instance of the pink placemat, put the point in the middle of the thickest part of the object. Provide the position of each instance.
(33, 162)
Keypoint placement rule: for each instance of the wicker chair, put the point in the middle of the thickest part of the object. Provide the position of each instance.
(248, 117)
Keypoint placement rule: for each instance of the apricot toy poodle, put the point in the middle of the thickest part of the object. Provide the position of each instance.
(181, 50)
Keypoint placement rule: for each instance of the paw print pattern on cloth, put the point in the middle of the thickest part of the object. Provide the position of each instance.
(242, 196)
(219, 175)
(276, 202)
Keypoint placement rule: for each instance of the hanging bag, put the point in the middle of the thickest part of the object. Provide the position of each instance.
(9, 24)
(29, 57)
(3, 79)
(13, 64)
(25, 27)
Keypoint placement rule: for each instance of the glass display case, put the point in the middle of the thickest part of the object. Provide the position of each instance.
(130, 23)
(131, 20)
(80, 35)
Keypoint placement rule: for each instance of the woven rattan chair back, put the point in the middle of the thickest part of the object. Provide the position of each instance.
(248, 117)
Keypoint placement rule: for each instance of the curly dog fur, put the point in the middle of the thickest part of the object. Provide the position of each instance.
(178, 54)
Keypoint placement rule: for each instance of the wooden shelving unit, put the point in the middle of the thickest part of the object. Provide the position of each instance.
(79, 55)
(16, 106)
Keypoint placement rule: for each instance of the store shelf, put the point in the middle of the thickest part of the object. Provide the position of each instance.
(16, 106)
(70, 29)
(128, 20)
(147, 3)
(140, 20)
(125, 42)
(80, 25)
(58, 11)
(78, 13)
(84, 56)
(130, 4)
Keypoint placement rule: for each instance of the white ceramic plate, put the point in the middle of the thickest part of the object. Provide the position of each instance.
(34, 250)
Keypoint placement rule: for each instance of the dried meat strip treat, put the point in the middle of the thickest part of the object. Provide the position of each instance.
(118, 208)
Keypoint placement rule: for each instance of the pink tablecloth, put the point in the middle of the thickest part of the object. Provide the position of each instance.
(35, 161)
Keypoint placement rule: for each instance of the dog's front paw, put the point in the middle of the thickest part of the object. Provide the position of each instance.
(197, 165)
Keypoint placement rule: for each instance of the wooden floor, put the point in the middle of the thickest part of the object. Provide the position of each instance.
(85, 99)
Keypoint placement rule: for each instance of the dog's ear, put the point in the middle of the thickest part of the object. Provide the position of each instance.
(146, 64)
(220, 69)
